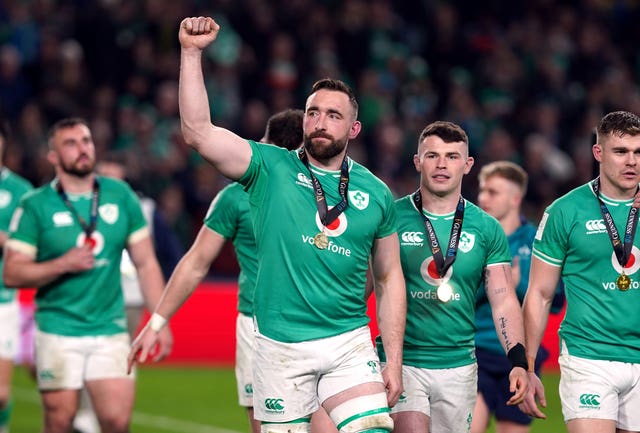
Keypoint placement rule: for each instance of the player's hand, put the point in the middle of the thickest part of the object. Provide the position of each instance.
(392, 377)
(142, 347)
(518, 385)
(197, 32)
(164, 346)
(536, 390)
(78, 259)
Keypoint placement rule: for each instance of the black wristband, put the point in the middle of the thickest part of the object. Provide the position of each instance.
(518, 356)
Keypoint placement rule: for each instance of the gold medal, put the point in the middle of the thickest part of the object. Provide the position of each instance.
(321, 241)
(623, 282)
(445, 292)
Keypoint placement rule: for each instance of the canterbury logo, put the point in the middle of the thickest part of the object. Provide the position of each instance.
(274, 404)
(590, 400)
(412, 237)
(595, 226)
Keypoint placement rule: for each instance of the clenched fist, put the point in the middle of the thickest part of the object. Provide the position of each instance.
(197, 32)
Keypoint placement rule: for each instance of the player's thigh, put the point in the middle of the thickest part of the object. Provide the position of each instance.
(411, 422)
(285, 379)
(107, 357)
(352, 367)
(589, 389)
(112, 398)
(245, 342)
(447, 396)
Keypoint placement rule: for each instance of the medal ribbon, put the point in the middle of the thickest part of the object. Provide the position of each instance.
(442, 264)
(93, 218)
(621, 248)
(329, 216)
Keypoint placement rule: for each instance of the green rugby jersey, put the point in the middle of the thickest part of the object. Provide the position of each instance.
(601, 321)
(302, 292)
(89, 302)
(12, 188)
(441, 334)
(229, 216)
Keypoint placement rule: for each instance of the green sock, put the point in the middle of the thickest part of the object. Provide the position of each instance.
(5, 414)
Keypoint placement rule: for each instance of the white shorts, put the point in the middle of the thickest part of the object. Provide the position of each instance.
(245, 340)
(600, 389)
(445, 395)
(64, 362)
(10, 329)
(291, 380)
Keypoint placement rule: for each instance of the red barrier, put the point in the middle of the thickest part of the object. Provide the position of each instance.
(204, 327)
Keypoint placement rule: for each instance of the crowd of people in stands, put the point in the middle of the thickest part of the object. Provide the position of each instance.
(527, 80)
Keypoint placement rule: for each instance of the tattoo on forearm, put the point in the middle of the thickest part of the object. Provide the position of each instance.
(499, 290)
(503, 331)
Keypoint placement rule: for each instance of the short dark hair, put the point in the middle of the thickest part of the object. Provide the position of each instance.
(67, 122)
(338, 86)
(284, 129)
(449, 132)
(619, 123)
(507, 170)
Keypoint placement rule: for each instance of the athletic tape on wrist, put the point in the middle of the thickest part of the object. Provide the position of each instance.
(157, 322)
(518, 356)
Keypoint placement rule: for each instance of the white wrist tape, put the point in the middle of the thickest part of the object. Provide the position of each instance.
(157, 322)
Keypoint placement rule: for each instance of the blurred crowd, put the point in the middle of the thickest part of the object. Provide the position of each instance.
(528, 81)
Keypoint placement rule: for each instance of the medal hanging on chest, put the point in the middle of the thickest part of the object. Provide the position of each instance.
(93, 217)
(444, 290)
(621, 248)
(327, 216)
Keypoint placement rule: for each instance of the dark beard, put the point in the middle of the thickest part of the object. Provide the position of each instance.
(323, 153)
(74, 170)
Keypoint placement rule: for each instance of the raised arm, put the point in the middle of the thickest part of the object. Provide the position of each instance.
(543, 280)
(226, 151)
(189, 272)
(507, 317)
(391, 301)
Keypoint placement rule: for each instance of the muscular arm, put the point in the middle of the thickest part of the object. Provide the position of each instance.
(391, 312)
(226, 151)
(149, 274)
(543, 280)
(507, 315)
(191, 270)
(185, 278)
